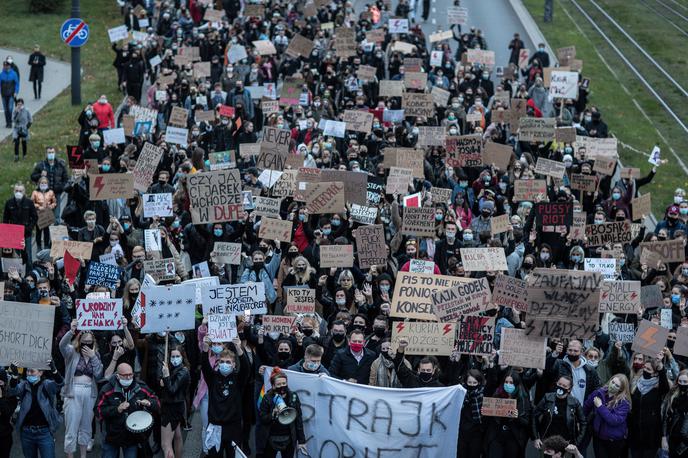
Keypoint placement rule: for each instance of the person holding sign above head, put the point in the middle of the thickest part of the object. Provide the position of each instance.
(38, 419)
(506, 437)
(281, 419)
(175, 384)
(83, 368)
(225, 386)
(258, 271)
(428, 370)
(122, 396)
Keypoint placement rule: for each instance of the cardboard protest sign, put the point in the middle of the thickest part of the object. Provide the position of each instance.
(111, 186)
(415, 80)
(268, 206)
(536, 129)
(642, 206)
(530, 190)
(363, 215)
(605, 164)
(177, 135)
(391, 88)
(614, 232)
(99, 314)
(398, 180)
(366, 73)
(577, 231)
(650, 339)
(12, 236)
(146, 165)
(269, 106)
(483, 259)
(464, 151)
(152, 240)
(554, 217)
(413, 294)
(430, 136)
(118, 33)
(58, 233)
(440, 36)
(667, 250)
(419, 221)
(336, 256)
(10, 264)
(498, 154)
(370, 246)
(299, 46)
(226, 253)
(179, 117)
(358, 121)
(274, 148)
(398, 25)
(480, 56)
(470, 298)
(563, 303)
(457, 15)
(114, 136)
(565, 134)
(285, 184)
(160, 269)
(76, 249)
(681, 344)
(666, 318)
(354, 183)
(621, 332)
(418, 104)
(300, 300)
(275, 229)
(566, 54)
(326, 197)
(157, 205)
(222, 328)
(424, 338)
(604, 266)
(519, 350)
(278, 323)
(583, 182)
(406, 158)
(510, 292)
(215, 196)
(500, 224)
(630, 172)
(651, 296)
(620, 297)
(440, 195)
(103, 275)
(440, 96)
(475, 335)
(234, 299)
(264, 47)
(554, 169)
(27, 331)
(564, 85)
(498, 407)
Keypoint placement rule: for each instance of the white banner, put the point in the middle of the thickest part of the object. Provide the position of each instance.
(168, 308)
(346, 419)
(247, 298)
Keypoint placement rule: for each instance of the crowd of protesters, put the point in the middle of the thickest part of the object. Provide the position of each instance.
(592, 392)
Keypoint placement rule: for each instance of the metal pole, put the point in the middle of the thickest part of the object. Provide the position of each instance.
(76, 61)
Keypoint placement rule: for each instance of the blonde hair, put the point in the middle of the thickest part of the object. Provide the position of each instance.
(622, 394)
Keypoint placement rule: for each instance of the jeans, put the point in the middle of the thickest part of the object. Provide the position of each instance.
(8, 106)
(37, 439)
(112, 451)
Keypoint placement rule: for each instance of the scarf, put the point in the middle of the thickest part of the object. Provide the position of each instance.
(645, 385)
(386, 375)
(474, 398)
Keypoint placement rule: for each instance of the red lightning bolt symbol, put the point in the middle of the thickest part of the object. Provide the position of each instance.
(98, 184)
(400, 326)
(604, 295)
(634, 295)
(447, 328)
(115, 314)
(80, 313)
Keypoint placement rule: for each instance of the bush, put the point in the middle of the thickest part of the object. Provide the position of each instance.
(45, 6)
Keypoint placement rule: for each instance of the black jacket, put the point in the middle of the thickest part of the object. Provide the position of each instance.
(110, 397)
(409, 379)
(225, 393)
(57, 174)
(21, 212)
(176, 386)
(645, 419)
(37, 62)
(575, 418)
(344, 366)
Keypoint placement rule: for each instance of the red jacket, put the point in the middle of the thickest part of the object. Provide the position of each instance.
(105, 115)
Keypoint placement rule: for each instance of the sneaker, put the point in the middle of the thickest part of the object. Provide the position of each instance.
(89, 447)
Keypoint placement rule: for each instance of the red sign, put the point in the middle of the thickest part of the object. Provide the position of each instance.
(226, 111)
(12, 236)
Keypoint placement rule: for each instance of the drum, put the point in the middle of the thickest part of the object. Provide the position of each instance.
(139, 422)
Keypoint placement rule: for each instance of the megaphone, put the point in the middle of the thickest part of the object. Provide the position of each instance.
(285, 414)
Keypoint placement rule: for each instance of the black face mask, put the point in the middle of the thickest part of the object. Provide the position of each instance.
(386, 355)
(379, 332)
(283, 355)
(683, 389)
(647, 375)
(471, 387)
(339, 338)
(258, 265)
(281, 391)
(425, 377)
(307, 332)
(89, 346)
(574, 358)
(241, 335)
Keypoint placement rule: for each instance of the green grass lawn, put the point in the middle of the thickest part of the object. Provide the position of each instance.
(626, 111)
(56, 124)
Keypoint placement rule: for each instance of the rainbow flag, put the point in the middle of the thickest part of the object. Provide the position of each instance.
(261, 396)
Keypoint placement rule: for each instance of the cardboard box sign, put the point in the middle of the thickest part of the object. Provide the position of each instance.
(498, 407)
(111, 186)
(275, 229)
(470, 298)
(464, 151)
(424, 338)
(475, 335)
(300, 300)
(327, 197)
(413, 294)
(510, 292)
(278, 323)
(517, 349)
(215, 196)
(370, 246)
(336, 256)
(536, 129)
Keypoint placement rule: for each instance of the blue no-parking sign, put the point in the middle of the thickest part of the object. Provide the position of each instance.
(74, 32)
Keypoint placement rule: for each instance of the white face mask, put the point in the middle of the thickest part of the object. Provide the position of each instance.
(43, 187)
(18, 195)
